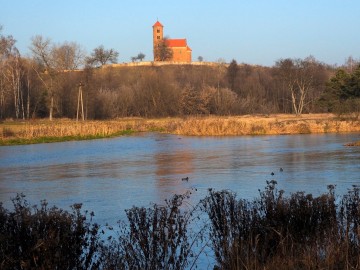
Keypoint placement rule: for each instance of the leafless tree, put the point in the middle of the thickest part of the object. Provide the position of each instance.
(100, 56)
(195, 101)
(11, 75)
(14, 74)
(52, 62)
(42, 49)
(156, 94)
(6, 43)
(298, 77)
(68, 56)
(162, 51)
(223, 100)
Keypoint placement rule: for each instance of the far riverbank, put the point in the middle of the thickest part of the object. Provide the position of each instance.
(43, 131)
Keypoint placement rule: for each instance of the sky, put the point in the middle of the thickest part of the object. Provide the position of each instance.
(257, 32)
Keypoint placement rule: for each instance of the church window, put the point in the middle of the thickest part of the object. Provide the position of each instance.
(158, 30)
(158, 37)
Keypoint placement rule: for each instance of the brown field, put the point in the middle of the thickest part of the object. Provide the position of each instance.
(192, 126)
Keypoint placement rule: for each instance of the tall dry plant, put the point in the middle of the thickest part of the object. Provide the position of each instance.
(278, 232)
(33, 237)
(158, 237)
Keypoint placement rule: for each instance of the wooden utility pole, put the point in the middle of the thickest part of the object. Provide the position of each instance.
(80, 100)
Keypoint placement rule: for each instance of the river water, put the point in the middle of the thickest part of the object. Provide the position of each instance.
(111, 175)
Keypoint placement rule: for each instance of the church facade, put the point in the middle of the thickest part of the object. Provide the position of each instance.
(181, 52)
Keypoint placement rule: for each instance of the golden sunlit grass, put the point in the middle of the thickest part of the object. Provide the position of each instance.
(13, 132)
(265, 125)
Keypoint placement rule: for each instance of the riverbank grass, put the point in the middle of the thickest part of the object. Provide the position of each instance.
(46, 139)
(40, 131)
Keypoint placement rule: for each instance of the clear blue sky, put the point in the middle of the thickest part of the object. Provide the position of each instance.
(252, 31)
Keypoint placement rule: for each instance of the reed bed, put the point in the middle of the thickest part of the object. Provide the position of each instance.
(263, 125)
(192, 126)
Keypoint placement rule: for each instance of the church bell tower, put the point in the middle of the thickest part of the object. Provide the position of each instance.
(158, 35)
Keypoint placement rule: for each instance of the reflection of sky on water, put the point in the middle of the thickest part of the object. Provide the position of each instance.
(111, 175)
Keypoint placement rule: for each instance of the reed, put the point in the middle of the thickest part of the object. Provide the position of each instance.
(265, 125)
(64, 129)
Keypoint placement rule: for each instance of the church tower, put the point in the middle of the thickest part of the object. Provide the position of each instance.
(158, 35)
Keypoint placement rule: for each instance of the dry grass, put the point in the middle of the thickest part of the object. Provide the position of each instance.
(194, 126)
(271, 125)
(63, 127)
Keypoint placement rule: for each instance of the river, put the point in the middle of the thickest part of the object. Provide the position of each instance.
(111, 175)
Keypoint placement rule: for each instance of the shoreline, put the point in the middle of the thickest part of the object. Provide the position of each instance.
(58, 130)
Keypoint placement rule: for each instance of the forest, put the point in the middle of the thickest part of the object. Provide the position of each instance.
(46, 85)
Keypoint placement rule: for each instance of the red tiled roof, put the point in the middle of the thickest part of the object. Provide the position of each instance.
(176, 42)
(157, 24)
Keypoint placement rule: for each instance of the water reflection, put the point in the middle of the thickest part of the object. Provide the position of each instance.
(169, 177)
(111, 175)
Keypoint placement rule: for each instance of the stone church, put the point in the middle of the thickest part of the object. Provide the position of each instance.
(181, 52)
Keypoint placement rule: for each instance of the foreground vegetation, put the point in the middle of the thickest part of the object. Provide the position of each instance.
(39, 131)
(273, 231)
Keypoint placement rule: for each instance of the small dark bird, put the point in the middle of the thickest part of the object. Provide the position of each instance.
(185, 179)
(281, 170)
(272, 173)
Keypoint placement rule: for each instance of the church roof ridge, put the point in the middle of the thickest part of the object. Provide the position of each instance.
(176, 42)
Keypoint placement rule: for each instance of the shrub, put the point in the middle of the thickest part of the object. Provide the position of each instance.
(46, 238)
(272, 231)
(275, 232)
(230, 229)
(157, 237)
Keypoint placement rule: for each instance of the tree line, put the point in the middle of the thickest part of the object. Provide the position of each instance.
(47, 85)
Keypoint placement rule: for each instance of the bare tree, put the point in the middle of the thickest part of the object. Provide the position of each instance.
(162, 51)
(100, 56)
(14, 74)
(298, 77)
(5, 45)
(52, 60)
(155, 93)
(223, 100)
(68, 56)
(195, 101)
(11, 74)
(41, 49)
